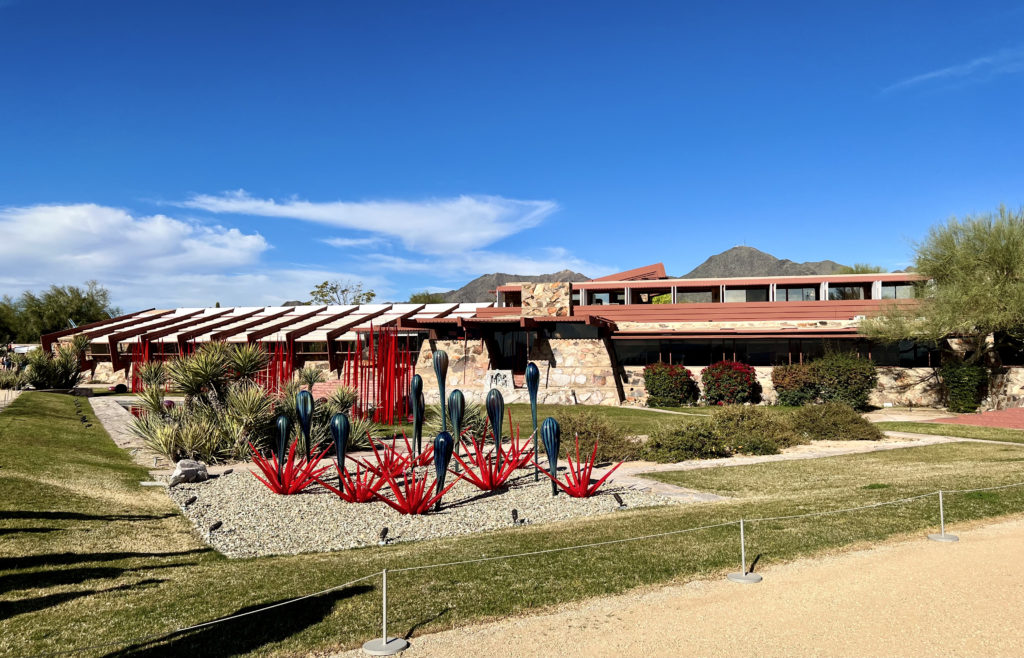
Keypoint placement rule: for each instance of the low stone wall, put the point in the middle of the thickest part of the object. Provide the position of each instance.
(103, 373)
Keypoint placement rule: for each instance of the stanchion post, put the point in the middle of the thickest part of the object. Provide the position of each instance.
(384, 645)
(942, 536)
(744, 576)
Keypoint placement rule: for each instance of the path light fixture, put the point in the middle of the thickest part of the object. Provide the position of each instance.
(618, 500)
(304, 410)
(416, 400)
(384, 536)
(495, 414)
(551, 435)
(533, 385)
(441, 371)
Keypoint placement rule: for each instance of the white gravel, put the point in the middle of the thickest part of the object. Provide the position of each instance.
(256, 522)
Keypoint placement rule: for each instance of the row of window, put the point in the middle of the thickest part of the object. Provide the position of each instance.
(713, 295)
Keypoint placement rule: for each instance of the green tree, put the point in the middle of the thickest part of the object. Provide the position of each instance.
(860, 268)
(975, 292)
(426, 297)
(341, 292)
(33, 315)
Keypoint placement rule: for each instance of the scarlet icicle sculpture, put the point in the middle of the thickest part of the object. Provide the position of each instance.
(291, 476)
(577, 475)
(533, 385)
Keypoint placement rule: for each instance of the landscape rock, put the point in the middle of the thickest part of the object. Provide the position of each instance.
(188, 470)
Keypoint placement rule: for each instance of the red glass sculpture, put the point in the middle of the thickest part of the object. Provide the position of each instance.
(358, 489)
(415, 495)
(291, 477)
(577, 474)
(484, 469)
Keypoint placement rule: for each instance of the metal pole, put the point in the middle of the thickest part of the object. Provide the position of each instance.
(385, 646)
(743, 576)
(384, 606)
(942, 536)
(743, 551)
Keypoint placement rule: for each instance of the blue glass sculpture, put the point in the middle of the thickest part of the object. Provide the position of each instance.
(304, 410)
(340, 429)
(457, 409)
(496, 413)
(284, 428)
(416, 400)
(533, 385)
(443, 446)
(551, 434)
(441, 370)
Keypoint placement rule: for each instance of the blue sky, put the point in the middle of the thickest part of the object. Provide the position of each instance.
(185, 153)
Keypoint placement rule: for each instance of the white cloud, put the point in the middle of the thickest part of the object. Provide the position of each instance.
(475, 263)
(343, 243)
(1006, 61)
(436, 226)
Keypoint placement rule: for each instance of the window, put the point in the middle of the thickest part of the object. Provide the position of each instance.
(573, 330)
(606, 297)
(852, 291)
(898, 291)
(652, 296)
(752, 294)
(696, 296)
(796, 294)
(312, 348)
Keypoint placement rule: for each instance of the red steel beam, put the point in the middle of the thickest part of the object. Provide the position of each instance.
(332, 335)
(260, 333)
(302, 331)
(150, 336)
(115, 338)
(47, 340)
(199, 331)
(226, 333)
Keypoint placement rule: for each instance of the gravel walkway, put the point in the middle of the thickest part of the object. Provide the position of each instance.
(257, 522)
(907, 598)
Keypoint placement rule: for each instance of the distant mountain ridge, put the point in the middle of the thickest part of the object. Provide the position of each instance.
(747, 261)
(479, 289)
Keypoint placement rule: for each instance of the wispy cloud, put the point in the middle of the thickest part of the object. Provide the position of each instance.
(1003, 62)
(343, 243)
(434, 226)
(475, 263)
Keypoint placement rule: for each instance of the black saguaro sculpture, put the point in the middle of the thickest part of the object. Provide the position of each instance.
(551, 433)
(284, 428)
(416, 400)
(441, 370)
(533, 385)
(495, 413)
(457, 408)
(304, 410)
(443, 445)
(340, 429)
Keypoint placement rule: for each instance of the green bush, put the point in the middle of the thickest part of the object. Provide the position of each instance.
(795, 385)
(676, 443)
(669, 386)
(964, 385)
(56, 371)
(12, 380)
(612, 443)
(730, 382)
(753, 430)
(843, 377)
(832, 421)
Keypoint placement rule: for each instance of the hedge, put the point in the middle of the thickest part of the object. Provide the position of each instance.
(730, 382)
(669, 385)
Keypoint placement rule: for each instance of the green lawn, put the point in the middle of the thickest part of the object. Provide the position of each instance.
(90, 557)
(951, 429)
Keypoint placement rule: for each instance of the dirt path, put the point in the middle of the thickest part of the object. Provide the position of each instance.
(909, 598)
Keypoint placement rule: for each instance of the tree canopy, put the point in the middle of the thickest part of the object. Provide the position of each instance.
(975, 268)
(860, 268)
(29, 316)
(426, 297)
(341, 292)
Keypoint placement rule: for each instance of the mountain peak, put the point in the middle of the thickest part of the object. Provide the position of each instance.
(748, 261)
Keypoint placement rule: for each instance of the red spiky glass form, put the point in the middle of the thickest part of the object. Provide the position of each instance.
(390, 462)
(414, 496)
(577, 474)
(295, 476)
(483, 468)
(358, 489)
(519, 451)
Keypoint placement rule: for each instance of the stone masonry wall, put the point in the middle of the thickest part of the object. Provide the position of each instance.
(545, 299)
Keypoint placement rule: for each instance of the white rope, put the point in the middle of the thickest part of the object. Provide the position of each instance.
(1002, 486)
(842, 511)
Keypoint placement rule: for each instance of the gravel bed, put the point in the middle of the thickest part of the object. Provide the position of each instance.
(256, 522)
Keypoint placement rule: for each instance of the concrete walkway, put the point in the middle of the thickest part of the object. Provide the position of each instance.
(116, 420)
(907, 598)
(7, 397)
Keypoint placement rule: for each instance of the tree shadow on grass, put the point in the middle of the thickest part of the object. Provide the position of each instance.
(77, 516)
(423, 622)
(37, 531)
(55, 559)
(247, 634)
(9, 609)
(58, 577)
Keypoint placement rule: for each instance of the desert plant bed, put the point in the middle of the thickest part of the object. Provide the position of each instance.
(257, 522)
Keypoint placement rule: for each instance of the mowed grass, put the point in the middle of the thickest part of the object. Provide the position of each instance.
(952, 429)
(90, 557)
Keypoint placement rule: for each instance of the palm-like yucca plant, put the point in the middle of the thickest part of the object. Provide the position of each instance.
(153, 374)
(310, 376)
(59, 370)
(203, 375)
(342, 400)
(247, 360)
(474, 419)
(249, 417)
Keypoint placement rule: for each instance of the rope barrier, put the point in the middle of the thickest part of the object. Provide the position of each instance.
(442, 565)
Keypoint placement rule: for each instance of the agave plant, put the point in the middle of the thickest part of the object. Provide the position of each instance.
(247, 360)
(342, 400)
(152, 374)
(309, 376)
(473, 421)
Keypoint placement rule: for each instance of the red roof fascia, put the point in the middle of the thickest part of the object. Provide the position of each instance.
(647, 272)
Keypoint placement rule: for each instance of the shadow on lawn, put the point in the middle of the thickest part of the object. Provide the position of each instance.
(78, 516)
(9, 609)
(58, 577)
(54, 559)
(247, 634)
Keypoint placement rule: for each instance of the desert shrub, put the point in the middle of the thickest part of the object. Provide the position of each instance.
(343, 399)
(964, 385)
(832, 421)
(730, 382)
(753, 430)
(669, 386)
(12, 380)
(612, 443)
(309, 376)
(474, 422)
(795, 384)
(59, 370)
(843, 377)
(676, 443)
(152, 374)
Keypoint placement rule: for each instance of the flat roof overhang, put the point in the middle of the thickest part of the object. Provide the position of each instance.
(747, 281)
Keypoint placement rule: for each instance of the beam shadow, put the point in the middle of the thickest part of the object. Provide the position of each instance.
(10, 609)
(55, 559)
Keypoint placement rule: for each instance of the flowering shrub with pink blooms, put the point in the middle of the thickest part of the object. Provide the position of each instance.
(730, 382)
